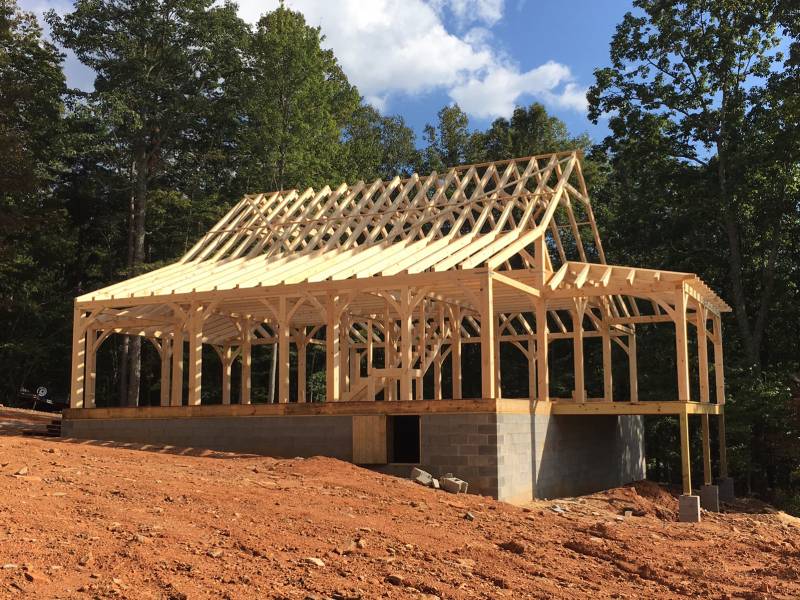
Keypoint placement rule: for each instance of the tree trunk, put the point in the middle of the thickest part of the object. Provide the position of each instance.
(138, 231)
(752, 350)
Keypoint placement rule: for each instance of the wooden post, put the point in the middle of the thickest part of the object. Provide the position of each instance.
(176, 396)
(542, 366)
(302, 347)
(369, 351)
(389, 359)
(702, 353)
(455, 352)
(719, 372)
(488, 373)
(284, 334)
(406, 332)
(498, 381)
(438, 360)
(344, 354)
(78, 359)
(686, 469)
(633, 370)
(706, 434)
(681, 346)
(195, 356)
(227, 371)
(247, 361)
(608, 384)
(91, 368)
(579, 395)
(531, 367)
(421, 350)
(166, 356)
(332, 358)
(370, 345)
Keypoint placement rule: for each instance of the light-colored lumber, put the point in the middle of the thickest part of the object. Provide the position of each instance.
(686, 464)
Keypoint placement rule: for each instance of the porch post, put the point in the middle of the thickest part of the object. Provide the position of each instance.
(488, 332)
(406, 332)
(332, 358)
(195, 356)
(247, 360)
(681, 346)
(91, 368)
(176, 398)
(579, 395)
(633, 369)
(686, 469)
(166, 355)
(302, 347)
(283, 352)
(455, 351)
(78, 359)
(542, 366)
(227, 372)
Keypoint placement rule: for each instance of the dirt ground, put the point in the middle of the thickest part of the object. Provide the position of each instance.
(97, 520)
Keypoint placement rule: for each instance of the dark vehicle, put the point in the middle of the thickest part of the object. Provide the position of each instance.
(41, 399)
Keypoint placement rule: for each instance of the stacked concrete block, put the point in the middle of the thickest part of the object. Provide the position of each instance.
(464, 445)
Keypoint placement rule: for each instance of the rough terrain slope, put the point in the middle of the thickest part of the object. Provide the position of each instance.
(96, 520)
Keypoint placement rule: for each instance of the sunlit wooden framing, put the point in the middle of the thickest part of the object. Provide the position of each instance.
(503, 252)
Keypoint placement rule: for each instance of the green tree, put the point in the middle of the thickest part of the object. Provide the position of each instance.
(377, 147)
(685, 67)
(35, 236)
(530, 131)
(448, 142)
(299, 102)
(162, 73)
(701, 175)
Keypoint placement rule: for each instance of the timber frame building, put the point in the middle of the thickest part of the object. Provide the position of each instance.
(395, 278)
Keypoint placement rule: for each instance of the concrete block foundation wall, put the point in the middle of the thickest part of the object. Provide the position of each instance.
(283, 436)
(516, 457)
(583, 454)
(512, 457)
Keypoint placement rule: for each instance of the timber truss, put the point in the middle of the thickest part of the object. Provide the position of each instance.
(393, 278)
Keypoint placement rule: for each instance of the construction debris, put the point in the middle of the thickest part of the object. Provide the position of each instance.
(421, 477)
(448, 483)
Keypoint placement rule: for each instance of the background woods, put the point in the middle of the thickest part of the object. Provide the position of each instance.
(192, 107)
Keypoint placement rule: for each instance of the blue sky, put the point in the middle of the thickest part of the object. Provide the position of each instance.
(411, 57)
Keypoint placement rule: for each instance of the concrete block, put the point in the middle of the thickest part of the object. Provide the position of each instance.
(709, 497)
(421, 477)
(454, 485)
(726, 493)
(689, 508)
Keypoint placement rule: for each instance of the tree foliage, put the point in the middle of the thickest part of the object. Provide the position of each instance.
(703, 176)
(34, 233)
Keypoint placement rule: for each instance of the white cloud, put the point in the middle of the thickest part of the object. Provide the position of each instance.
(495, 92)
(488, 12)
(392, 47)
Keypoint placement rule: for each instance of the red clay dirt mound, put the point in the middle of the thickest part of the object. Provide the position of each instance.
(95, 520)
